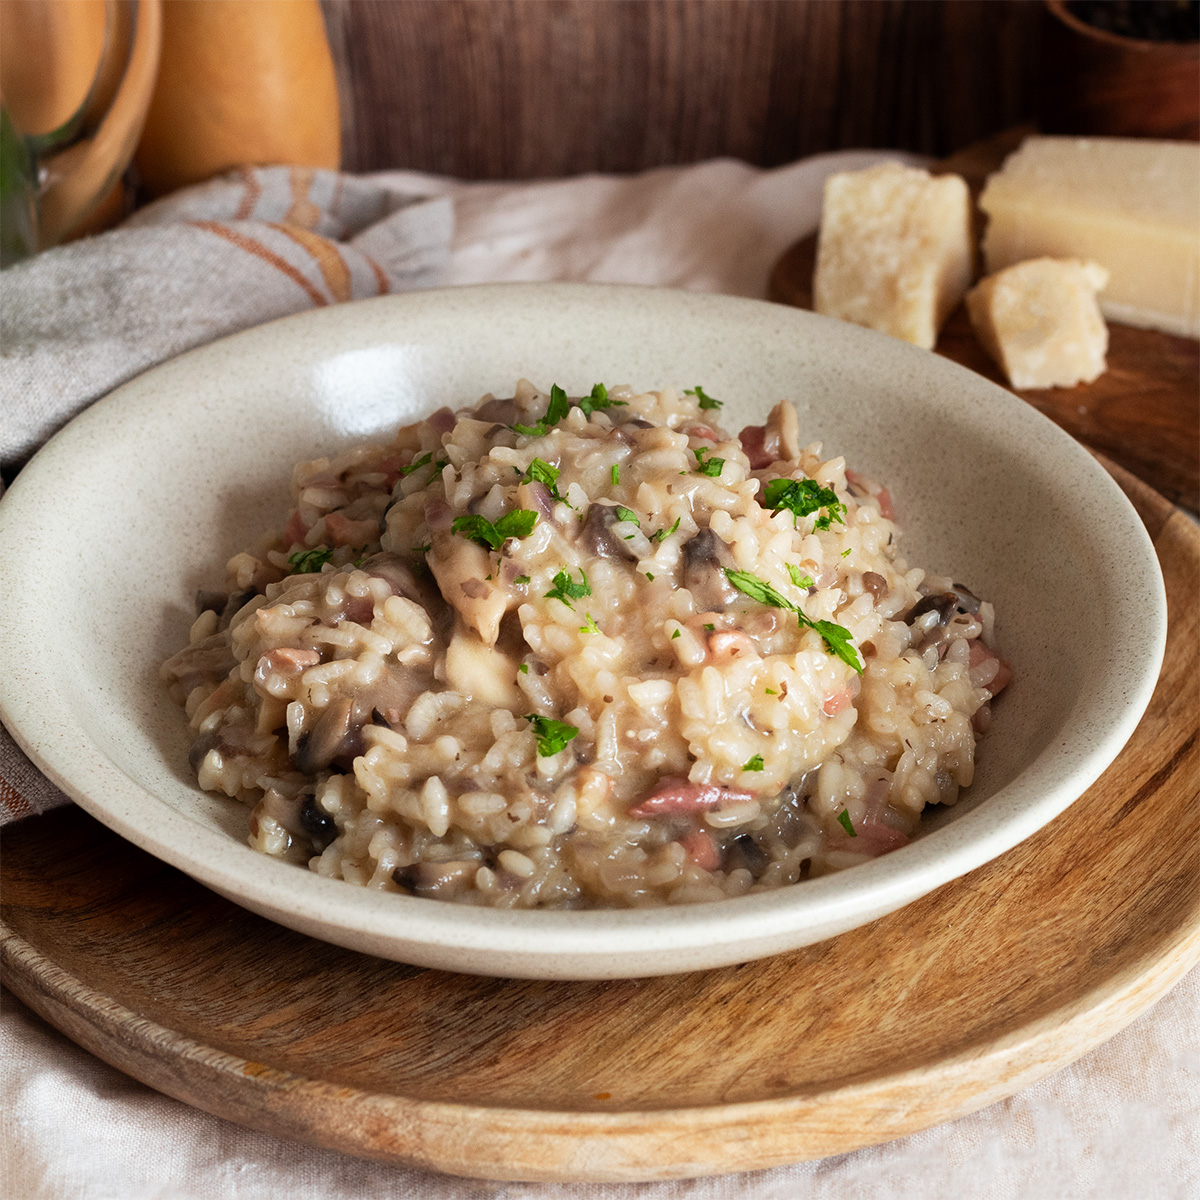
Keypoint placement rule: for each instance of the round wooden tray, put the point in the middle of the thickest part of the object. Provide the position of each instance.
(958, 1000)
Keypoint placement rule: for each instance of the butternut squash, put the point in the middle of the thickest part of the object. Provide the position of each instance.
(239, 82)
(49, 53)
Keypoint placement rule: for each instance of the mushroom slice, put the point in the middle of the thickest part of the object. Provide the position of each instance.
(481, 672)
(704, 558)
(461, 569)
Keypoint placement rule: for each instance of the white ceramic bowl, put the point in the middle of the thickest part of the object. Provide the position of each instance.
(109, 531)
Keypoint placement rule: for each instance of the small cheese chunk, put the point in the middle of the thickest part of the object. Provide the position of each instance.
(1040, 321)
(1130, 204)
(894, 252)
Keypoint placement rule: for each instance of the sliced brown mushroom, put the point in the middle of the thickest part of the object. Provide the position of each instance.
(705, 558)
(596, 535)
(210, 658)
(503, 411)
(335, 738)
(876, 584)
(461, 569)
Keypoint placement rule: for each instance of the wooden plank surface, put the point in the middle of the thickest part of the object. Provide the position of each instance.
(1143, 412)
(979, 989)
(518, 89)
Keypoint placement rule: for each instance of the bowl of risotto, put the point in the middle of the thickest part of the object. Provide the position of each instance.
(569, 631)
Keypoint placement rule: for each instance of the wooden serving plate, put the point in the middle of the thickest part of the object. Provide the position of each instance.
(977, 990)
(1143, 412)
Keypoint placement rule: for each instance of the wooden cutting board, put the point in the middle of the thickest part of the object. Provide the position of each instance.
(979, 989)
(1143, 412)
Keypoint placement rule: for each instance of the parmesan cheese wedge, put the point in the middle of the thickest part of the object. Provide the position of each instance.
(1040, 322)
(1132, 205)
(894, 252)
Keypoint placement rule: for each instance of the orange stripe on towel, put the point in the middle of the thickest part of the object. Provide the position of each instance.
(303, 211)
(380, 276)
(328, 256)
(11, 799)
(268, 256)
(250, 196)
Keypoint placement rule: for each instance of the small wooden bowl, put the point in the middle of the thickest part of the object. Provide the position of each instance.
(1096, 82)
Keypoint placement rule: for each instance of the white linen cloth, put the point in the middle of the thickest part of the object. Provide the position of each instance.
(1123, 1121)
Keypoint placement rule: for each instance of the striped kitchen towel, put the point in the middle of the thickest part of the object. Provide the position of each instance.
(259, 243)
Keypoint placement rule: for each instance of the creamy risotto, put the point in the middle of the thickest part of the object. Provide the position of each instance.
(585, 652)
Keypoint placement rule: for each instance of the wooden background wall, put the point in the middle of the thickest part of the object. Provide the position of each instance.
(519, 89)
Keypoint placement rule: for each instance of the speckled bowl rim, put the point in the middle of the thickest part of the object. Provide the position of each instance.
(590, 944)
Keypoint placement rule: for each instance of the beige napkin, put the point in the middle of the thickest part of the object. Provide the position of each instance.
(259, 243)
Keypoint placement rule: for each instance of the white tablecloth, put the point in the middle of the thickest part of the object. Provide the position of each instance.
(1122, 1122)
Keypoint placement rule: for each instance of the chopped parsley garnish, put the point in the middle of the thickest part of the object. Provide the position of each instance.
(309, 562)
(615, 474)
(837, 640)
(552, 735)
(758, 589)
(424, 461)
(846, 552)
(566, 589)
(597, 400)
(524, 668)
(558, 408)
(836, 637)
(362, 557)
(711, 468)
(519, 523)
(425, 549)
(521, 579)
(705, 400)
(626, 514)
(844, 821)
(649, 577)
(662, 534)
(591, 626)
(802, 498)
(675, 635)
(709, 628)
(417, 464)
(753, 764)
(542, 472)
(771, 691)
(798, 576)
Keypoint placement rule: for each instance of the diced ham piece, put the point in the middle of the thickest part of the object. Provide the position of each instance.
(390, 468)
(681, 796)
(729, 643)
(705, 432)
(873, 838)
(344, 532)
(295, 531)
(982, 653)
(753, 439)
(880, 493)
(701, 850)
(835, 703)
(287, 660)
